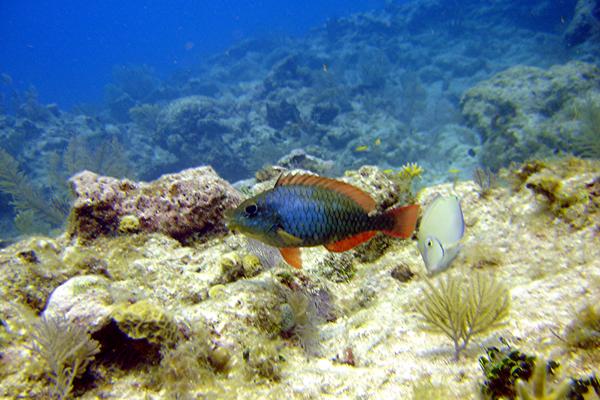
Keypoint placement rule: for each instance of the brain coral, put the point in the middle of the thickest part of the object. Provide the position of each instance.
(144, 320)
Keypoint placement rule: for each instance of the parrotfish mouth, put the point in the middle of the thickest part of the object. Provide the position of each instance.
(228, 214)
(229, 220)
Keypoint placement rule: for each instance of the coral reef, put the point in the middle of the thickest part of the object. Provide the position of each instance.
(356, 81)
(518, 121)
(185, 206)
(171, 321)
(180, 309)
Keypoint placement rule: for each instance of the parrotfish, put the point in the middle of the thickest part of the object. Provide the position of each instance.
(308, 210)
(440, 231)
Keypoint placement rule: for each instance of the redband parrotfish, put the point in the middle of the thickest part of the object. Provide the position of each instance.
(308, 210)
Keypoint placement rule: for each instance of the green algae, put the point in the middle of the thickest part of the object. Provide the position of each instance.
(562, 190)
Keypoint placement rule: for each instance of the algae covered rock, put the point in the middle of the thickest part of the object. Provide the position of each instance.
(85, 299)
(235, 266)
(526, 112)
(300, 159)
(568, 188)
(31, 269)
(185, 206)
(383, 188)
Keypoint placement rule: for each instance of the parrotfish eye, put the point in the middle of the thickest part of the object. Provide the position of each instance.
(251, 210)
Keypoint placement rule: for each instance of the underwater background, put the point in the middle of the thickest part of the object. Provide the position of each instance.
(239, 85)
(128, 129)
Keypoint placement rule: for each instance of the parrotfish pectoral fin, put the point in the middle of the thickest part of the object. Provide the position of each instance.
(352, 241)
(291, 255)
(288, 238)
(405, 221)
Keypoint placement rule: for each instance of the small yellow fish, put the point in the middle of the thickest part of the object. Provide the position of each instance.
(454, 171)
(378, 142)
(362, 148)
(388, 171)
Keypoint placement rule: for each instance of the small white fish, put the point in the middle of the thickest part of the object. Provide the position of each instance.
(441, 229)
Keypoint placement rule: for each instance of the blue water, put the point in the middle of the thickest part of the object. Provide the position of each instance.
(67, 48)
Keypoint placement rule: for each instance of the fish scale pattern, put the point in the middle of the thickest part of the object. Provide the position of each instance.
(318, 215)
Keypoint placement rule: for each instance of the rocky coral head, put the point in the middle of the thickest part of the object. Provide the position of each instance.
(186, 206)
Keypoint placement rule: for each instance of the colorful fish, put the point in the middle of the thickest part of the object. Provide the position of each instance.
(308, 210)
(360, 149)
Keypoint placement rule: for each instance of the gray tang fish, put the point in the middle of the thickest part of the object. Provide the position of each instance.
(440, 231)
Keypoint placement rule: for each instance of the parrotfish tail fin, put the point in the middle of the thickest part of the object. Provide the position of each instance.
(291, 255)
(405, 221)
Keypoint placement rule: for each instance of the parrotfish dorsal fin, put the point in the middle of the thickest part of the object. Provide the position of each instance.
(360, 197)
(349, 243)
(291, 255)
